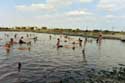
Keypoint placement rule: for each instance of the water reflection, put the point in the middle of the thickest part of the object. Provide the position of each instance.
(84, 56)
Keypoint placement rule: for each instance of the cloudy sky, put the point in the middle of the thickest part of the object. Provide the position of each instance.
(83, 14)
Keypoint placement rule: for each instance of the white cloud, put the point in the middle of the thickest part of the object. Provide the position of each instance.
(78, 13)
(35, 7)
(111, 5)
(110, 16)
(49, 6)
(114, 17)
(60, 2)
(86, 1)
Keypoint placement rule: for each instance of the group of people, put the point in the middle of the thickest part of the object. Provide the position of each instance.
(73, 43)
(79, 42)
(17, 39)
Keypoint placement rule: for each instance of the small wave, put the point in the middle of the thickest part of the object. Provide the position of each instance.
(8, 74)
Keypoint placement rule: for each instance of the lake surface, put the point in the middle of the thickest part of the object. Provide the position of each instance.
(44, 63)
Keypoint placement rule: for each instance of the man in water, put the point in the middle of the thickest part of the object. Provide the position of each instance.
(85, 41)
(21, 41)
(80, 42)
(58, 43)
(99, 39)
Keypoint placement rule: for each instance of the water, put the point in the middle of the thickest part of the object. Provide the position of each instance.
(44, 63)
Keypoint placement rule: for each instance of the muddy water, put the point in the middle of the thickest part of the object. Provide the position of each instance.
(44, 63)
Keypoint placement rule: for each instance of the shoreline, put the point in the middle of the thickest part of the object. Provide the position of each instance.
(81, 34)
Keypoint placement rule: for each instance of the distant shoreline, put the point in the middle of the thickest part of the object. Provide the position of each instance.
(89, 34)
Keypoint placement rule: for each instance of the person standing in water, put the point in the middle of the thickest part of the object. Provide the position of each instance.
(15, 36)
(85, 41)
(58, 43)
(99, 39)
(80, 42)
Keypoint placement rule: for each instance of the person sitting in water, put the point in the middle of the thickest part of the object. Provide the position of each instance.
(21, 41)
(7, 47)
(12, 42)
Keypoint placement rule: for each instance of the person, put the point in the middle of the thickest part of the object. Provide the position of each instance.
(7, 47)
(85, 41)
(11, 41)
(73, 47)
(73, 43)
(99, 39)
(21, 41)
(80, 42)
(15, 36)
(58, 43)
(19, 66)
(35, 39)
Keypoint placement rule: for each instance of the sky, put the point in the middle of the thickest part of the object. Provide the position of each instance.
(82, 14)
